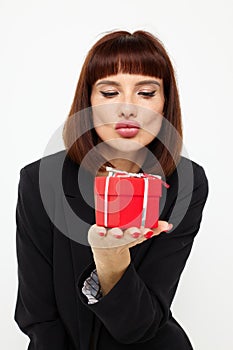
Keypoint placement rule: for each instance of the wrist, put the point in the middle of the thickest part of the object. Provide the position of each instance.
(109, 275)
(107, 259)
(110, 268)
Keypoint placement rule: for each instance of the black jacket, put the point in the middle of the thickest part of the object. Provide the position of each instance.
(54, 259)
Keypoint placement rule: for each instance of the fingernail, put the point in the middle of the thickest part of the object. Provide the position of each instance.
(101, 233)
(117, 236)
(149, 234)
(136, 234)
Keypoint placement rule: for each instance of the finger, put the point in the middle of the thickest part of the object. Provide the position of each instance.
(97, 230)
(147, 232)
(101, 231)
(133, 232)
(115, 232)
(163, 226)
(169, 228)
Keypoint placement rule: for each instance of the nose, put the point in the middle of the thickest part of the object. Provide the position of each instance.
(127, 110)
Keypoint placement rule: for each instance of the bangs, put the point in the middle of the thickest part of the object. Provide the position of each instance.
(126, 54)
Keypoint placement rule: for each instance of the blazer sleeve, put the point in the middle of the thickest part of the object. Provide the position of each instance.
(36, 313)
(139, 304)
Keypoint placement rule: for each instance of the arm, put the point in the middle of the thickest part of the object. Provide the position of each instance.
(36, 313)
(109, 274)
(112, 263)
(147, 292)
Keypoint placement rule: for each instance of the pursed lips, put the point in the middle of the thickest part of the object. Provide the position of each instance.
(127, 124)
(127, 128)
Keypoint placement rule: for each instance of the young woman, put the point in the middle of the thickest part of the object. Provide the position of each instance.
(82, 286)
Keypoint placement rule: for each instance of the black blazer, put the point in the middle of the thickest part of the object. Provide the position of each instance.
(53, 214)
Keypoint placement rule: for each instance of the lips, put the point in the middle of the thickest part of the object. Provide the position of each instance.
(127, 128)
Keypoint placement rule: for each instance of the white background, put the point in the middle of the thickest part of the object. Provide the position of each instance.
(43, 45)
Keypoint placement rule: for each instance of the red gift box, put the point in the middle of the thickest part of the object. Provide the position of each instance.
(127, 200)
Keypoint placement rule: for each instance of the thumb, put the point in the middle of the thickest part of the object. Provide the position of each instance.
(164, 226)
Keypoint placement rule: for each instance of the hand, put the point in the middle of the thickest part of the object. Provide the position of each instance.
(100, 237)
(112, 262)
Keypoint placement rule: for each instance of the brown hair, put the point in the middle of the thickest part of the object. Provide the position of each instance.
(137, 53)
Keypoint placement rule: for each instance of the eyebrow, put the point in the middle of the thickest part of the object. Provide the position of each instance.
(112, 82)
(148, 82)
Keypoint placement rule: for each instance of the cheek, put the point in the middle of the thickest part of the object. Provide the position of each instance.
(152, 120)
(99, 130)
(152, 128)
(99, 118)
(158, 108)
(103, 114)
(104, 131)
(156, 124)
(157, 105)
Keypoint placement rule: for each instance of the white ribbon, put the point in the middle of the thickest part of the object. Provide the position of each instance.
(145, 201)
(106, 201)
(126, 174)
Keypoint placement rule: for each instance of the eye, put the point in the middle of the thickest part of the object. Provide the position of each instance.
(147, 93)
(109, 93)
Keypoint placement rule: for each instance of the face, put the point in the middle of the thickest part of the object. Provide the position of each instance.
(127, 110)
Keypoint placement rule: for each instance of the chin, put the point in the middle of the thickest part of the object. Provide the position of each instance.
(124, 145)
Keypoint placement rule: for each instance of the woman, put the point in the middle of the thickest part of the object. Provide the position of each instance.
(82, 286)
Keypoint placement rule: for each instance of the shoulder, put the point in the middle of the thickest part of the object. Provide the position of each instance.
(188, 184)
(48, 170)
(33, 168)
(197, 168)
(189, 171)
(51, 176)
(38, 179)
(186, 197)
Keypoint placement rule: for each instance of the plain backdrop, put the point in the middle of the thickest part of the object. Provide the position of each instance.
(43, 45)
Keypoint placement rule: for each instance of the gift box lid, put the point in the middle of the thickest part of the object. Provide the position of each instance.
(129, 186)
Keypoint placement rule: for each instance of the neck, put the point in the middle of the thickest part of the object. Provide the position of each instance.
(126, 165)
(130, 162)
